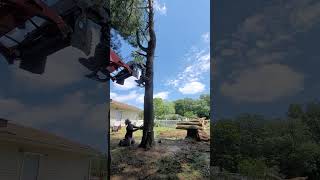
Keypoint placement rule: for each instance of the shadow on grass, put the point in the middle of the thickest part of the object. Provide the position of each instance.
(173, 158)
(136, 163)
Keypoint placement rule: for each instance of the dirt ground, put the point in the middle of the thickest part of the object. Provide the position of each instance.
(173, 158)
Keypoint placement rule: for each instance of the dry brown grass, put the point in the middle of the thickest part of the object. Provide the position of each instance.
(173, 158)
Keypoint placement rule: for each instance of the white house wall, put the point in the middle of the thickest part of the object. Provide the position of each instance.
(52, 166)
(63, 166)
(126, 114)
(10, 161)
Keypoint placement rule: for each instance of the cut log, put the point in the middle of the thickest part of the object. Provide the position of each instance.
(197, 121)
(195, 129)
(203, 136)
(194, 121)
(186, 127)
(189, 123)
(198, 135)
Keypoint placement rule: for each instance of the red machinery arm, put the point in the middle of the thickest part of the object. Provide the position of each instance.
(16, 12)
(116, 63)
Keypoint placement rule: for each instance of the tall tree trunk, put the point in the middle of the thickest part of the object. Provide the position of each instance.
(148, 123)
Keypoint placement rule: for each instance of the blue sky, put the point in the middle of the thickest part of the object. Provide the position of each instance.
(182, 59)
(266, 56)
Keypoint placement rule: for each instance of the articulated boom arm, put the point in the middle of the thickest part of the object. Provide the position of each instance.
(116, 70)
(16, 12)
(130, 69)
(65, 23)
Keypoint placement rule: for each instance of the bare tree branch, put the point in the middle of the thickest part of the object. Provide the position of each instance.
(131, 6)
(144, 32)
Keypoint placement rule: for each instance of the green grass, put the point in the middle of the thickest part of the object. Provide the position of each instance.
(138, 134)
(159, 130)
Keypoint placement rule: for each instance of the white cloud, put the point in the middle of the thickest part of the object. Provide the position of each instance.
(127, 98)
(113, 95)
(206, 37)
(204, 62)
(10, 106)
(162, 95)
(134, 97)
(71, 107)
(198, 63)
(306, 15)
(96, 117)
(161, 8)
(140, 99)
(261, 73)
(192, 88)
(62, 68)
(254, 24)
(264, 84)
(129, 83)
(173, 82)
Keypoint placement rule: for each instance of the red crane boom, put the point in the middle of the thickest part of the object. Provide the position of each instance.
(31, 30)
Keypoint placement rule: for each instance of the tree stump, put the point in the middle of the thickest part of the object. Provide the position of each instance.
(192, 133)
(195, 129)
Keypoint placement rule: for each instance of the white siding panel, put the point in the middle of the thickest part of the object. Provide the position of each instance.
(125, 114)
(10, 161)
(62, 167)
(53, 165)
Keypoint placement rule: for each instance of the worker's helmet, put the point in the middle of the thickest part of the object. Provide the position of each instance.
(127, 121)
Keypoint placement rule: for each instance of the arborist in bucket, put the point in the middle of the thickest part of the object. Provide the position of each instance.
(128, 138)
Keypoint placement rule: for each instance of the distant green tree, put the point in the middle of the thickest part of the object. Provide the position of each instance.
(202, 106)
(189, 114)
(225, 150)
(253, 168)
(174, 117)
(169, 108)
(295, 111)
(163, 108)
(250, 143)
(184, 105)
(302, 161)
(206, 98)
(158, 108)
(250, 132)
(312, 119)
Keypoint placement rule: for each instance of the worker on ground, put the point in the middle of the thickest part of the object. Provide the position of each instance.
(128, 139)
